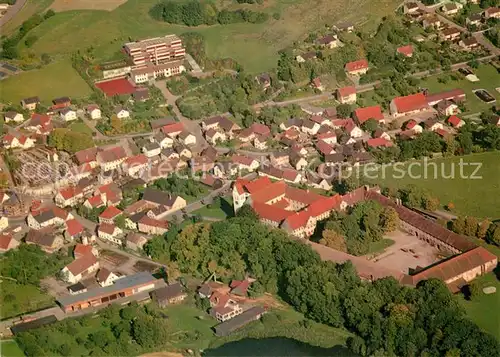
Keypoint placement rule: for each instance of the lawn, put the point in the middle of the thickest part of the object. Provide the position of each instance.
(55, 80)
(30, 8)
(16, 299)
(225, 210)
(255, 46)
(477, 197)
(380, 246)
(488, 76)
(483, 310)
(80, 127)
(9, 348)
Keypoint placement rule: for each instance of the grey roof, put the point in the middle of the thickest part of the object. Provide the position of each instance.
(31, 100)
(77, 287)
(241, 320)
(293, 122)
(121, 284)
(151, 146)
(168, 292)
(159, 197)
(33, 324)
(61, 100)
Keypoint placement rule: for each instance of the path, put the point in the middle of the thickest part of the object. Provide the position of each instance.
(194, 65)
(12, 11)
(189, 125)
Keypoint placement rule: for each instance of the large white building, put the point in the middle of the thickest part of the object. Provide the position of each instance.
(155, 50)
(148, 72)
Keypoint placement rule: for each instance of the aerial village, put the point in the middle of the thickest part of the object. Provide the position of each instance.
(106, 202)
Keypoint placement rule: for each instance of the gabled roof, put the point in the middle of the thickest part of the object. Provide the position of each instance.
(74, 227)
(140, 159)
(221, 121)
(103, 275)
(406, 50)
(244, 160)
(356, 65)
(151, 222)
(106, 228)
(364, 114)
(377, 142)
(80, 265)
(5, 240)
(110, 212)
(272, 213)
(410, 103)
(82, 249)
(172, 128)
(346, 91)
(159, 197)
(454, 94)
(323, 147)
(31, 100)
(296, 220)
(70, 192)
(113, 154)
(39, 120)
(86, 156)
(325, 40)
(95, 201)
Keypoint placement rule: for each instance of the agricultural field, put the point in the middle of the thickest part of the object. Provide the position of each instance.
(470, 196)
(65, 5)
(489, 78)
(55, 80)
(483, 309)
(29, 9)
(255, 46)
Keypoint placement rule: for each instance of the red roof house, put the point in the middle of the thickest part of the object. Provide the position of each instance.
(410, 104)
(455, 121)
(109, 214)
(364, 114)
(379, 142)
(357, 67)
(406, 51)
(74, 228)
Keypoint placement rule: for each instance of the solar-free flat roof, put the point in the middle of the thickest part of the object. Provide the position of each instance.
(119, 285)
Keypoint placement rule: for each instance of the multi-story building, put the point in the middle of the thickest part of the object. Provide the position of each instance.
(155, 50)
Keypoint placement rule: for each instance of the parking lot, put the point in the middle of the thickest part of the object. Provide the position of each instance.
(408, 252)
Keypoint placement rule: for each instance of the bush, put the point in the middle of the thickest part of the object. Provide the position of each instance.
(276, 16)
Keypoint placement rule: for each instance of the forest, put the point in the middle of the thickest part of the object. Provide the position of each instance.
(387, 318)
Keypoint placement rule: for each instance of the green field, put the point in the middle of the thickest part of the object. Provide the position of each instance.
(483, 310)
(80, 127)
(9, 348)
(489, 79)
(255, 46)
(470, 196)
(55, 80)
(16, 299)
(222, 212)
(380, 246)
(30, 8)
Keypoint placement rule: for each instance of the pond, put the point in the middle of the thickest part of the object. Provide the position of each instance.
(278, 346)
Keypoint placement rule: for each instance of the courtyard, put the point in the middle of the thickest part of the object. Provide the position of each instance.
(407, 252)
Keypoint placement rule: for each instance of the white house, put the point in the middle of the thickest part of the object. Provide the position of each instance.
(14, 116)
(110, 233)
(79, 268)
(94, 112)
(106, 277)
(215, 136)
(68, 114)
(187, 138)
(4, 223)
(121, 113)
(21, 141)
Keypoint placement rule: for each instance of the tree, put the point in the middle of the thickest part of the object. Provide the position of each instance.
(246, 211)
(334, 240)
(344, 110)
(474, 289)
(483, 228)
(430, 203)
(149, 332)
(494, 234)
(471, 226)
(49, 14)
(389, 219)
(370, 125)
(458, 225)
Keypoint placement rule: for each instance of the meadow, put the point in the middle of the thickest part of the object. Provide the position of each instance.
(54, 80)
(477, 197)
(16, 299)
(255, 46)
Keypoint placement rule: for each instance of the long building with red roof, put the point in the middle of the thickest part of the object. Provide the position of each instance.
(408, 105)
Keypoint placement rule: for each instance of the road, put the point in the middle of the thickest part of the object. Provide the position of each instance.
(13, 10)
(189, 125)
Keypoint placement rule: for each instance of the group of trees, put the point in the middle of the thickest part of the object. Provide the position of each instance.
(386, 318)
(178, 186)
(9, 45)
(123, 331)
(195, 13)
(414, 196)
(472, 227)
(229, 94)
(364, 224)
(68, 140)
(28, 264)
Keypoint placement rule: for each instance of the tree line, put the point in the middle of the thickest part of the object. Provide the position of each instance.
(387, 318)
(195, 13)
(115, 331)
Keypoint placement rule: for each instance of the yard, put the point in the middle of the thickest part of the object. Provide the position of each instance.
(9, 348)
(380, 246)
(477, 197)
(80, 127)
(483, 309)
(488, 79)
(55, 80)
(16, 299)
(255, 46)
(225, 210)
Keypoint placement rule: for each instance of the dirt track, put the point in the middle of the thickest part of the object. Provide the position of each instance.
(162, 354)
